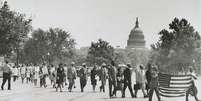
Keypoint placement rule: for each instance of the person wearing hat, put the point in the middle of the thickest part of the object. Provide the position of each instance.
(83, 77)
(127, 80)
(140, 81)
(153, 85)
(71, 76)
(6, 75)
(103, 77)
(112, 74)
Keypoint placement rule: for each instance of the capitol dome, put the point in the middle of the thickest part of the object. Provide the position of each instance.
(136, 37)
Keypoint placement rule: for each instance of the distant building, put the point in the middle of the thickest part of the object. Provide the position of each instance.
(136, 38)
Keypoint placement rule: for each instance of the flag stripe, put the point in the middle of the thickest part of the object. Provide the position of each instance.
(173, 85)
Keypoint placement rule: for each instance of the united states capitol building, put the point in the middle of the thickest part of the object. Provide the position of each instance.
(136, 38)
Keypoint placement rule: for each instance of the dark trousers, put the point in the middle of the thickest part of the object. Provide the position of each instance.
(71, 83)
(151, 91)
(112, 88)
(43, 81)
(192, 90)
(83, 82)
(102, 87)
(127, 84)
(14, 78)
(6, 76)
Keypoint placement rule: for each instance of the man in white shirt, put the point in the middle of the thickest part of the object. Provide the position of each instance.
(140, 81)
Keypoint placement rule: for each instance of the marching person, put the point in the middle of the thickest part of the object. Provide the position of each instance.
(127, 80)
(120, 79)
(43, 74)
(71, 76)
(23, 72)
(83, 77)
(15, 73)
(153, 85)
(53, 76)
(148, 76)
(36, 74)
(28, 73)
(65, 72)
(103, 77)
(140, 81)
(60, 77)
(93, 77)
(112, 72)
(6, 75)
(192, 89)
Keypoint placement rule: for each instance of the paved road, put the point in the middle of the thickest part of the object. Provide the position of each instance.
(27, 92)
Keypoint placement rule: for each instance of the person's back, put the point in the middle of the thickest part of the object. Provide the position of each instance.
(15, 71)
(140, 76)
(112, 73)
(70, 72)
(83, 73)
(119, 75)
(103, 73)
(127, 74)
(23, 70)
(6, 68)
(45, 70)
(148, 73)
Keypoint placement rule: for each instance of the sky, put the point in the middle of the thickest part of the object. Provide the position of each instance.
(111, 20)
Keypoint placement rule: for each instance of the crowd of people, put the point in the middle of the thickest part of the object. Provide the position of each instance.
(119, 77)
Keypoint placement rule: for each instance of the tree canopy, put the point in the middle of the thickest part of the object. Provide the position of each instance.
(176, 47)
(49, 46)
(14, 28)
(100, 52)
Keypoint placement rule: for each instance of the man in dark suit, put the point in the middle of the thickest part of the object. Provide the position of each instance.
(112, 79)
(127, 80)
(83, 77)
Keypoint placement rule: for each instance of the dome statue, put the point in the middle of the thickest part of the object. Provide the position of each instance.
(136, 37)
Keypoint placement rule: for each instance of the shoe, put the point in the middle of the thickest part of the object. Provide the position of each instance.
(2, 88)
(135, 96)
(146, 96)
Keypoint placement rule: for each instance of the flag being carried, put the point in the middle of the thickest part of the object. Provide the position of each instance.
(174, 85)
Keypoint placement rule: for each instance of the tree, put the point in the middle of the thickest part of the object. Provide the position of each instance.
(52, 46)
(36, 48)
(137, 56)
(176, 48)
(14, 28)
(100, 52)
(60, 44)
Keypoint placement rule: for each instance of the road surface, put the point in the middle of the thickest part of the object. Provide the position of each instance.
(28, 92)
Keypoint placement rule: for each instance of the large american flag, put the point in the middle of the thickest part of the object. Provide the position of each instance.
(173, 85)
